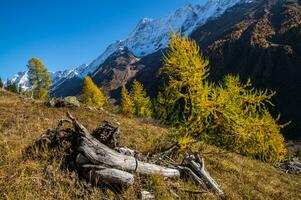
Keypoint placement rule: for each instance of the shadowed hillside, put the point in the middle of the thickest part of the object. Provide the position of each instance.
(262, 41)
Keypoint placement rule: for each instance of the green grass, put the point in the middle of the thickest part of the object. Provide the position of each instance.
(21, 121)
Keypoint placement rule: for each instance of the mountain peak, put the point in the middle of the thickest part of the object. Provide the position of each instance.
(151, 35)
(145, 20)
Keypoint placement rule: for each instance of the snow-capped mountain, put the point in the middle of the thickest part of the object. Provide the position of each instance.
(149, 36)
(59, 77)
(21, 78)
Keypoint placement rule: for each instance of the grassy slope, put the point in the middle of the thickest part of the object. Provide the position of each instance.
(21, 121)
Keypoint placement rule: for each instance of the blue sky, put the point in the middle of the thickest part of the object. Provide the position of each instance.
(67, 33)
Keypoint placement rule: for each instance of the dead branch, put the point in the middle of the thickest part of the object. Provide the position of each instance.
(97, 160)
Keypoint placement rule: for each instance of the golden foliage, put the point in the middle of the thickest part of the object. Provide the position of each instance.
(39, 78)
(184, 102)
(142, 103)
(126, 105)
(233, 115)
(92, 95)
(241, 121)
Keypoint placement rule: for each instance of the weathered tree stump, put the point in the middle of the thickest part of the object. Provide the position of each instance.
(98, 161)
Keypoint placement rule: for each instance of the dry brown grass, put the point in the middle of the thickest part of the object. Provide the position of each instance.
(21, 121)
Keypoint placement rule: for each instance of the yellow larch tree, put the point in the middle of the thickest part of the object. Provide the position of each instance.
(126, 105)
(142, 103)
(92, 95)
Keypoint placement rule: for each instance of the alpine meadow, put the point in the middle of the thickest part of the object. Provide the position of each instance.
(202, 103)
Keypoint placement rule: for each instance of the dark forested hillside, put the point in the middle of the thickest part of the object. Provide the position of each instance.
(261, 41)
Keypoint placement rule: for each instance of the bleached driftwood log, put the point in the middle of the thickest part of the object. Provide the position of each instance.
(101, 164)
(99, 154)
(102, 175)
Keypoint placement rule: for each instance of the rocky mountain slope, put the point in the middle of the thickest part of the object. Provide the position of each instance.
(21, 79)
(120, 67)
(259, 39)
(149, 36)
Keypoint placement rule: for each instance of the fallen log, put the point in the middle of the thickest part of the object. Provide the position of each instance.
(101, 164)
(98, 153)
(126, 151)
(110, 176)
(81, 160)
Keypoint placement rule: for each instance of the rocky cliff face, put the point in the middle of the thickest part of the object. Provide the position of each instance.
(117, 70)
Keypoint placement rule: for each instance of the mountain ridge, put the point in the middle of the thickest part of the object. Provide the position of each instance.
(259, 39)
(150, 36)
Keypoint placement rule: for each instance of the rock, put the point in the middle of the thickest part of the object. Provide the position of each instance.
(72, 100)
(66, 102)
(145, 195)
(52, 102)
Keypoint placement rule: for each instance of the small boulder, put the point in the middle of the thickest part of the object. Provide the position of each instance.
(64, 102)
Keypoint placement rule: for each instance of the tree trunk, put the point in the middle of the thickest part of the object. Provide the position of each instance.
(109, 176)
(99, 154)
(100, 164)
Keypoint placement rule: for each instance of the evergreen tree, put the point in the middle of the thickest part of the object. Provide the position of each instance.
(92, 95)
(12, 87)
(1, 84)
(142, 103)
(20, 89)
(127, 105)
(39, 78)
